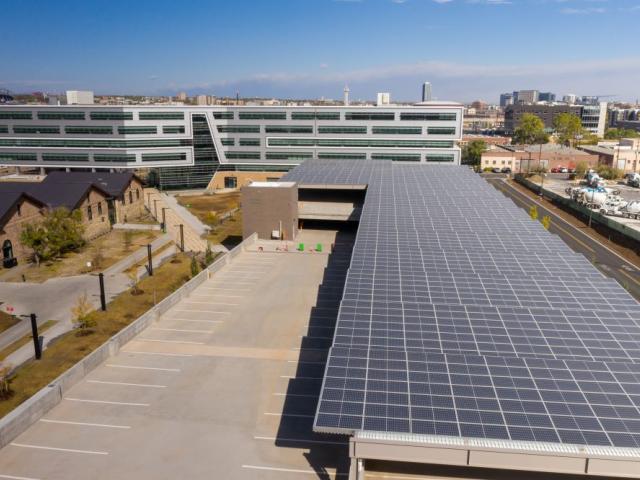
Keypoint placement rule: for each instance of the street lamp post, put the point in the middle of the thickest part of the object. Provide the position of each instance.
(37, 346)
(181, 236)
(150, 266)
(155, 208)
(103, 300)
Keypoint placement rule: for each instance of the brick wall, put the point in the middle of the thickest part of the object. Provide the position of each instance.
(131, 205)
(96, 222)
(19, 217)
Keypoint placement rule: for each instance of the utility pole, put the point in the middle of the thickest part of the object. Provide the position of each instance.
(164, 220)
(37, 346)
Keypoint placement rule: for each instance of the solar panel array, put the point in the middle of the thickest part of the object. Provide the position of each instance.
(463, 317)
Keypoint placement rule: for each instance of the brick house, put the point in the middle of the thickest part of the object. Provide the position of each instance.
(16, 210)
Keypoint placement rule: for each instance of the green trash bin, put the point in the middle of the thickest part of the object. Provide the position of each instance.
(301, 247)
(319, 247)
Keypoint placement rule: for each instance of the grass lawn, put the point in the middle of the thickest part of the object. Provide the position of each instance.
(111, 246)
(203, 206)
(70, 348)
(7, 321)
(208, 207)
(24, 340)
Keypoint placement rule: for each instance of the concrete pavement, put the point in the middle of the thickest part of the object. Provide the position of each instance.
(224, 385)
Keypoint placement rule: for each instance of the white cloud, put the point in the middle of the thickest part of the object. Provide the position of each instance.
(582, 11)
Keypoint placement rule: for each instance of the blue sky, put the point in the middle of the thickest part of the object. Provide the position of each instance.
(468, 49)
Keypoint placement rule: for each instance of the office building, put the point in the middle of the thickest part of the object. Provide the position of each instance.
(526, 96)
(426, 92)
(383, 98)
(570, 98)
(547, 97)
(79, 97)
(593, 117)
(182, 96)
(506, 99)
(186, 145)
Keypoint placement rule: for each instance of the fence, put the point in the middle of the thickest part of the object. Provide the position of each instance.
(29, 412)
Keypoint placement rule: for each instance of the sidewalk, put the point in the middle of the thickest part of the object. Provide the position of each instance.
(156, 201)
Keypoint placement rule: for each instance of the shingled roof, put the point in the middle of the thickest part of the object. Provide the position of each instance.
(113, 183)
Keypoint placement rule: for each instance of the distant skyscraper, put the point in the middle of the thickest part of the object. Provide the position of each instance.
(426, 92)
(569, 98)
(346, 95)
(182, 96)
(525, 97)
(383, 99)
(79, 97)
(506, 99)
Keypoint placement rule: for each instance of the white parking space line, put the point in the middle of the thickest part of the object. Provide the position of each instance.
(106, 402)
(169, 341)
(13, 477)
(197, 302)
(180, 330)
(293, 470)
(82, 424)
(193, 320)
(57, 449)
(303, 395)
(135, 367)
(298, 415)
(223, 289)
(158, 353)
(203, 311)
(225, 295)
(125, 384)
(301, 440)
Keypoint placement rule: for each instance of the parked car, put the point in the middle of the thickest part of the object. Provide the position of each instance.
(557, 170)
(564, 170)
(496, 170)
(571, 170)
(506, 170)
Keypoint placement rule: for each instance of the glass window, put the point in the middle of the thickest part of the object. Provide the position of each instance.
(288, 155)
(111, 115)
(262, 115)
(164, 157)
(369, 116)
(88, 130)
(223, 115)
(18, 157)
(99, 208)
(230, 182)
(238, 128)
(65, 157)
(229, 142)
(343, 156)
(89, 213)
(36, 129)
(423, 116)
(441, 130)
(397, 130)
(61, 115)
(249, 142)
(173, 129)
(130, 196)
(397, 157)
(137, 194)
(357, 143)
(315, 116)
(113, 157)
(92, 143)
(15, 115)
(288, 129)
(243, 155)
(440, 157)
(147, 130)
(4, 129)
(161, 115)
(342, 130)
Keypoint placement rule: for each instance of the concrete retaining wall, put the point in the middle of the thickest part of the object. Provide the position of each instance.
(30, 411)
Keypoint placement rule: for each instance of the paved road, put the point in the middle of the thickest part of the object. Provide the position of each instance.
(606, 260)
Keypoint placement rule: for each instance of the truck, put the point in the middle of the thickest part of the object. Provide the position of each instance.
(633, 180)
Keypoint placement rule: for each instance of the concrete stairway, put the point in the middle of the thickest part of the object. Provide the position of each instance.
(155, 202)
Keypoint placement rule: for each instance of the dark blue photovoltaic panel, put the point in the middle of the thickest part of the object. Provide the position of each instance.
(463, 317)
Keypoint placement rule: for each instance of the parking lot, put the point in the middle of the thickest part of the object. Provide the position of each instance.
(224, 385)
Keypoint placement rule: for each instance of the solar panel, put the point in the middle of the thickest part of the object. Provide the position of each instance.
(462, 317)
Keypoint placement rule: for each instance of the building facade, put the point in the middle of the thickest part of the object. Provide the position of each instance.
(525, 158)
(593, 117)
(186, 145)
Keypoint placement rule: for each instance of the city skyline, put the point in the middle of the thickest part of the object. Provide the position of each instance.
(220, 48)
